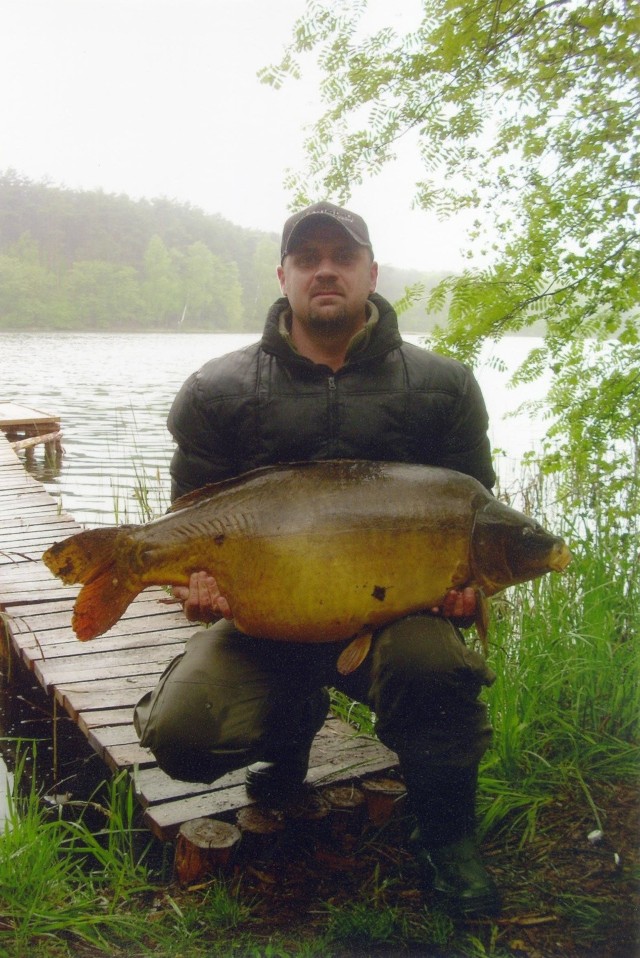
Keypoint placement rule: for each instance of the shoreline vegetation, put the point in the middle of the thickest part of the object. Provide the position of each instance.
(557, 809)
(82, 260)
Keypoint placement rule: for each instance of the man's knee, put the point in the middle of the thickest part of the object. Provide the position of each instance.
(207, 714)
(428, 649)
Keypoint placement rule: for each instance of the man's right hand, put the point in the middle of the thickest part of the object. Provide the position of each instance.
(202, 600)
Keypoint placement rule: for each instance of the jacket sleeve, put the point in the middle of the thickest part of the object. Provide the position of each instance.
(204, 451)
(466, 446)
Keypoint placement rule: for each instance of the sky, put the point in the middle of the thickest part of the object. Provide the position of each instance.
(160, 98)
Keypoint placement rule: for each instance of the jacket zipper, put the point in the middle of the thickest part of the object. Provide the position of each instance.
(331, 382)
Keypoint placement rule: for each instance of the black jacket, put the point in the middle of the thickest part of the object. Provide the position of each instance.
(265, 404)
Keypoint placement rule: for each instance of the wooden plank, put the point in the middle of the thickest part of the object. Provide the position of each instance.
(119, 750)
(11, 480)
(95, 718)
(66, 669)
(76, 702)
(44, 520)
(17, 556)
(16, 414)
(48, 616)
(37, 540)
(155, 787)
(30, 505)
(39, 649)
(127, 756)
(37, 570)
(19, 594)
(115, 683)
(30, 496)
(40, 520)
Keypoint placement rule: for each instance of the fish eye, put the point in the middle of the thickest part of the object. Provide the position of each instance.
(535, 529)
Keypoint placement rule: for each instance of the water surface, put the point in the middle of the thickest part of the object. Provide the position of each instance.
(112, 392)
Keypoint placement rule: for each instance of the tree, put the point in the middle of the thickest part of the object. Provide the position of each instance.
(29, 292)
(525, 112)
(103, 295)
(161, 292)
(213, 294)
(28, 295)
(262, 287)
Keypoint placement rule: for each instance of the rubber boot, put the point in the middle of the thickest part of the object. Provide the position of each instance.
(283, 774)
(443, 803)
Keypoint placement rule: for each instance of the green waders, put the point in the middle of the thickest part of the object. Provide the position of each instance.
(231, 700)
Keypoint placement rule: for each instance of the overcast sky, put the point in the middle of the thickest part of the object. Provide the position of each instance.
(160, 98)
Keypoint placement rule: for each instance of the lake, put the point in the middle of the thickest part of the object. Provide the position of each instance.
(112, 392)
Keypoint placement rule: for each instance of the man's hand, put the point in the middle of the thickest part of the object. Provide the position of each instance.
(202, 600)
(458, 604)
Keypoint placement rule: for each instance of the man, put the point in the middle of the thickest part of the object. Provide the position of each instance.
(332, 378)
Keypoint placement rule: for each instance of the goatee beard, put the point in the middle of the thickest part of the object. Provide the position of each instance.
(328, 324)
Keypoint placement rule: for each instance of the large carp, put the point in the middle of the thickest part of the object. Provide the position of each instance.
(314, 552)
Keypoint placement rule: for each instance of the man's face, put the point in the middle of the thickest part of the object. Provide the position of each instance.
(327, 277)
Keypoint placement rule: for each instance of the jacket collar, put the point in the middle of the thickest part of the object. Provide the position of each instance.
(379, 336)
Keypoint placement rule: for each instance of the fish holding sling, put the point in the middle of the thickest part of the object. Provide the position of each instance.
(316, 551)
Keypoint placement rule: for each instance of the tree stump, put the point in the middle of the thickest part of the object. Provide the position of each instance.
(383, 795)
(204, 846)
(347, 804)
(262, 830)
(305, 815)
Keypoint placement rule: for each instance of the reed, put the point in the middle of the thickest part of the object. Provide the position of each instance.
(566, 703)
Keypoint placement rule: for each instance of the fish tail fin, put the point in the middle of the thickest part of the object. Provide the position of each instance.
(90, 558)
(82, 557)
(101, 603)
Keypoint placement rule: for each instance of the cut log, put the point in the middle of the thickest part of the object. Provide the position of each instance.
(262, 831)
(51, 438)
(383, 796)
(204, 846)
(347, 804)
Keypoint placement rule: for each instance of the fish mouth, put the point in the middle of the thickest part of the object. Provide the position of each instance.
(560, 557)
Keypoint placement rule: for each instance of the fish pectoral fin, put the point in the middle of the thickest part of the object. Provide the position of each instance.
(482, 620)
(354, 654)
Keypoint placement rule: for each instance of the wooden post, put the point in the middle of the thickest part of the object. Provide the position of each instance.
(204, 846)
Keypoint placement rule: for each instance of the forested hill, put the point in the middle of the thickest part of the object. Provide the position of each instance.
(91, 260)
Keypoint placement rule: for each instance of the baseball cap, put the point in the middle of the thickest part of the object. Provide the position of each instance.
(350, 222)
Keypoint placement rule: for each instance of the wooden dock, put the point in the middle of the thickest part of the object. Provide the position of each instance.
(98, 683)
(26, 427)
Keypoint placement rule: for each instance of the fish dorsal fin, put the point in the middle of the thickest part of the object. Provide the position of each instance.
(205, 492)
(354, 654)
(191, 498)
